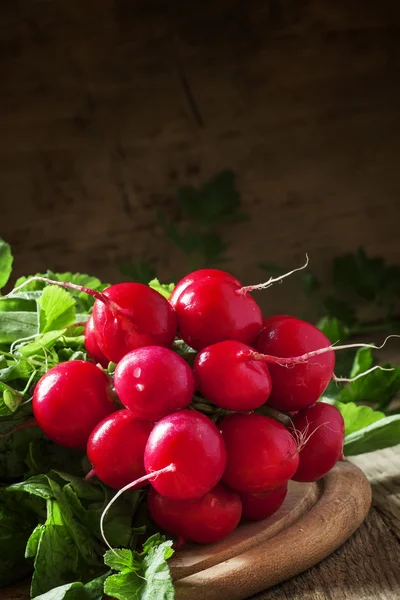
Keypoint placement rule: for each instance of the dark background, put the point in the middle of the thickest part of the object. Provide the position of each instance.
(108, 107)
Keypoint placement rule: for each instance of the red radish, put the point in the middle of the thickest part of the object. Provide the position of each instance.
(116, 448)
(296, 386)
(264, 504)
(154, 381)
(91, 345)
(69, 401)
(196, 276)
(213, 310)
(261, 453)
(205, 520)
(230, 382)
(320, 430)
(143, 317)
(190, 442)
(126, 316)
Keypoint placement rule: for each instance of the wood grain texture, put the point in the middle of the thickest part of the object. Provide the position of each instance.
(194, 558)
(366, 567)
(342, 507)
(107, 107)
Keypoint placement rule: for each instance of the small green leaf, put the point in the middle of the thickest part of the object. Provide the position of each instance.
(10, 400)
(378, 387)
(357, 417)
(362, 362)
(56, 560)
(144, 576)
(14, 532)
(17, 325)
(334, 329)
(77, 590)
(57, 309)
(37, 485)
(165, 289)
(121, 559)
(383, 433)
(6, 261)
(46, 341)
(33, 542)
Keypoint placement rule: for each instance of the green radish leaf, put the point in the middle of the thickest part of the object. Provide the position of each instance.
(6, 261)
(77, 591)
(357, 417)
(334, 329)
(43, 342)
(84, 489)
(15, 529)
(10, 400)
(377, 388)
(57, 309)
(38, 486)
(13, 449)
(43, 456)
(56, 560)
(165, 289)
(362, 362)
(144, 576)
(383, 433)
(121, 559)
(17, 325)
(33, 542)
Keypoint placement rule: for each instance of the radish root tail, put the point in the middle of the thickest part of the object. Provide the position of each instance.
(303, 358)
(351, 379)
(263, 286)
(169, 469)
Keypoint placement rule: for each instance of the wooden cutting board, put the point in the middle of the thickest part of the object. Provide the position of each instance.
(314, 520)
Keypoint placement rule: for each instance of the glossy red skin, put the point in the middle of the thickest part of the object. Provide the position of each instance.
(154, 381)
(91, 345)
(257, 507)
(150, 321)
(213, 310)
(229, 381)
(205, 521)
(261, 453)
(69, 401)
(324, 448)
(196, 276)
(189, 440)
(116, 448)
(300, 385)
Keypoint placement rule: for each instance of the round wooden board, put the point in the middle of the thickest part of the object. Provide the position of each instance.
(314, 520)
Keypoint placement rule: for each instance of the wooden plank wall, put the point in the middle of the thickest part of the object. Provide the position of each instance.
(299, 97)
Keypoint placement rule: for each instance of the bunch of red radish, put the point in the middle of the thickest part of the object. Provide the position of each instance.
(204, 476)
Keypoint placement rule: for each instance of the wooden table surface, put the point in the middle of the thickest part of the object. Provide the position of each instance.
(367, 566)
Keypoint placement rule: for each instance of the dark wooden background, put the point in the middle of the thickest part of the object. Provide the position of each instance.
(107, 106)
